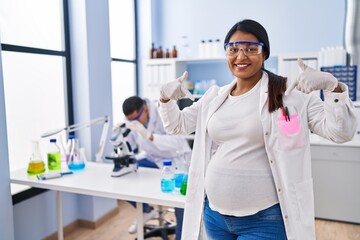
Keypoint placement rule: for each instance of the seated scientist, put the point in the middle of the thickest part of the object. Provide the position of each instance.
(148, 134)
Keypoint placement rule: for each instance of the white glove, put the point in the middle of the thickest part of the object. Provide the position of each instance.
(311, 80)
(175, 89)
(137, 126)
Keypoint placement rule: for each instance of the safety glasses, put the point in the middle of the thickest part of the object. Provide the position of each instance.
(249, 48)
(137, 116)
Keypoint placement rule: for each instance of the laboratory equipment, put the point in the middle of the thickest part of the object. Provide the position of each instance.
(123, 157)
(36, 164)
(76, 161)
(54, 156)
(72, 128)
(46, 176)
(167, 177)
(180, 170)
(183, 187)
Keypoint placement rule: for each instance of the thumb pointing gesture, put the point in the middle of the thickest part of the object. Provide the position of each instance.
(175, 89)
(311, 80)
(295, 83)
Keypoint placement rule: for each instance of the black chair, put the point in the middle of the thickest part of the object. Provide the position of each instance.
(165, 227)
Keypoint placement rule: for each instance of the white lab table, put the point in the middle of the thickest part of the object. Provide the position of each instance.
(95, 180)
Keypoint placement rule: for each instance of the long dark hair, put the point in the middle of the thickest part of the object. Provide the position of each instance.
(277, 84)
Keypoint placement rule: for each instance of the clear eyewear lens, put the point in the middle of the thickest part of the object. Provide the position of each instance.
(248, 48)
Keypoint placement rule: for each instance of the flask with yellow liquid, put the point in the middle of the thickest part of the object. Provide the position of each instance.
(36, 164)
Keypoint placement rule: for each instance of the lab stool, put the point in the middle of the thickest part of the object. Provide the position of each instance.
(164, 228)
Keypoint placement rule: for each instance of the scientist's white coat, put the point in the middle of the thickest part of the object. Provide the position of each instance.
(289, 155)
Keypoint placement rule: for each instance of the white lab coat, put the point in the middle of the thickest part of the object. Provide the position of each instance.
(164, 146)
(289, 156)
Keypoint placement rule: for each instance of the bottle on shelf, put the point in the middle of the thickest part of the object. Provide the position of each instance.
(153, 51)
(160, 53)
(202, 49)
(167, 177)
(208, 48)
(167, 54)
(54, 156)
(218, 49)
(36, 164)
(174, 52)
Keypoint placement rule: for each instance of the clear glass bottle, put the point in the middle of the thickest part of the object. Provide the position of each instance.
(75, 159)
(36, 164)
(183, 187)
(54, 156)
(180, 170)
(167, 177)
(186, 165)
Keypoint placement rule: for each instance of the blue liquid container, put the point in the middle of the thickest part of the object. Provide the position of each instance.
(167, 177)
(178, 179)
(76, 158)
(74, 166)
(167, 185)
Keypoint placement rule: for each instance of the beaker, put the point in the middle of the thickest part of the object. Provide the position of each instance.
(76, 160)
(36, 164)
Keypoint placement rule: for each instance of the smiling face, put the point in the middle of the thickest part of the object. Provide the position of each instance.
(245, 68)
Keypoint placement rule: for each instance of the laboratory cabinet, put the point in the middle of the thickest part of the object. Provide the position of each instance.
(160, 71)
(336, 176)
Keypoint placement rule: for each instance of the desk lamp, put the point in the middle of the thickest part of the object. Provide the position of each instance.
(72, 128)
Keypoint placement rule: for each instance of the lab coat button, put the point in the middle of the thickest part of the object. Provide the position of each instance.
(266, 133)
(286, 217)
(336, 100)
(279, 190)
(271, 161)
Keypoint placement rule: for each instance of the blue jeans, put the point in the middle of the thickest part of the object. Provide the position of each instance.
(266, 224)
(179, 212)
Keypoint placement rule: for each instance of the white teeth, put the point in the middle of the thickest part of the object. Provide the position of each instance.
(241, 65)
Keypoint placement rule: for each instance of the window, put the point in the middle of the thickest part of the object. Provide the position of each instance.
(122, 20)
(36, 69)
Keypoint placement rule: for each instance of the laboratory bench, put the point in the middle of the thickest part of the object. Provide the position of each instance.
(336, 176)
(142, 186)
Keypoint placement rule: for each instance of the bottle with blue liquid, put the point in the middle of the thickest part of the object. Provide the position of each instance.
(180, 170)
(167, 177)
(76, 161)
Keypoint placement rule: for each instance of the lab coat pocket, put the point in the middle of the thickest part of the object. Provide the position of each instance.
(305, 197)
(291, 133)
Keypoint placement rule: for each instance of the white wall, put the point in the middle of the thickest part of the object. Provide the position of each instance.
(6, 213)
(293, 26)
